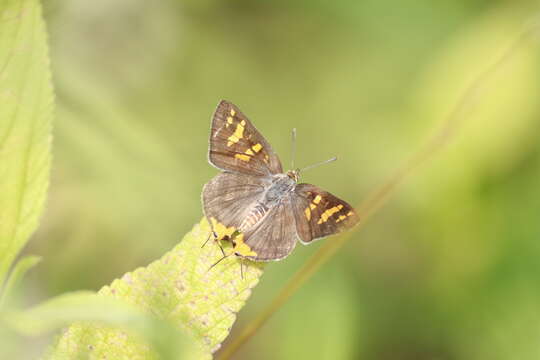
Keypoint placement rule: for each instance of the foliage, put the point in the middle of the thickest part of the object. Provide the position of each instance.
(181, 288)
(26, 110)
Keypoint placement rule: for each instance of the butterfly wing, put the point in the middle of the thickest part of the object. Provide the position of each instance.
(228, 197)
(236, 145)
(275, 236)
(319, 213)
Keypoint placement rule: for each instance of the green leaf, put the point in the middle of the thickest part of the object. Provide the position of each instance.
(19, 270)
(181, 287)
(98, 312)
(26, 108)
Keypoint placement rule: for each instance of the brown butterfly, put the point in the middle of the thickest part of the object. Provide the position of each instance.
(252, 202)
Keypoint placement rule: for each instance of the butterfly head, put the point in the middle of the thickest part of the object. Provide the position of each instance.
(294, 174)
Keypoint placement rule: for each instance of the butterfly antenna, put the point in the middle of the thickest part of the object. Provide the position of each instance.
(319, 164)
(293, 147)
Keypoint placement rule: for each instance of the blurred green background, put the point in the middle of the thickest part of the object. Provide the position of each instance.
(448, 270)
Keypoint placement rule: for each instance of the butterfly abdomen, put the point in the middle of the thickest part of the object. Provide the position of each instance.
(254, 216)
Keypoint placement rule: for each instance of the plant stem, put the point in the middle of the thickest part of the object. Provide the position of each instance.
(379, 196)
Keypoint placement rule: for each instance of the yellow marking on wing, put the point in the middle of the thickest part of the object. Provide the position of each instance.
(221, 230)
(317, 199)
(350, 213)
(238, 134)
(233, 112)
(242, 157)
(325, 215)
(312, 206)
(308, 213)
(249, 152)
(241, 248)
(229, 119)
(341, 218)
(257, 147)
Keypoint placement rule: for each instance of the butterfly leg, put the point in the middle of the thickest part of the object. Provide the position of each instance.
(216, 239)
(217, 262)
(218, 242)
(209, 235)
(241, 268)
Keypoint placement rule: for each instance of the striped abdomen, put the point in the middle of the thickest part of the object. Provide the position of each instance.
(254, 216)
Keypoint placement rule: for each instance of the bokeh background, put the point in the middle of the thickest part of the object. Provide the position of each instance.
(448, 270)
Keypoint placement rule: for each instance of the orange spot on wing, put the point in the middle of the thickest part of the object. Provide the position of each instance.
(328, 213)
(307, 211)
(238, 134)
(257, 147)
(242, 157)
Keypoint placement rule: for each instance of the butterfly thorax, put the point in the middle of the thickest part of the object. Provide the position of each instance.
(280, 187)
(282, 184)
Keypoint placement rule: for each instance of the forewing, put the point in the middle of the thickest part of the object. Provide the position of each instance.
(319, 213)
(236, 145)
(275, 237)
(228, 197)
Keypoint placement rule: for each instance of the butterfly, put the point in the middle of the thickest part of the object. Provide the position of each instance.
(253, 203)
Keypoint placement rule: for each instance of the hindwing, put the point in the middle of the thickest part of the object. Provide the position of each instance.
(319, 213)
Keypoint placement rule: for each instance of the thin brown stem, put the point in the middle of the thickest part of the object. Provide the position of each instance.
(379, 196)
